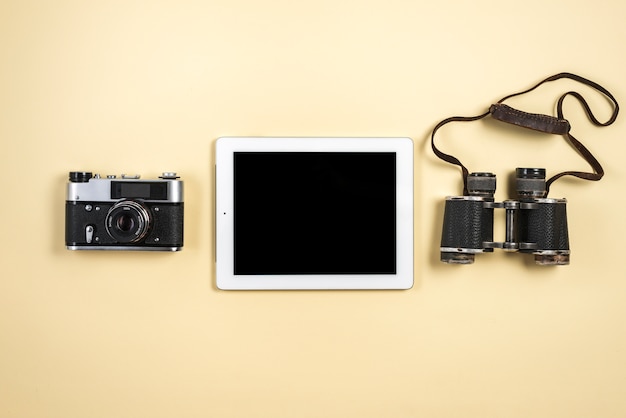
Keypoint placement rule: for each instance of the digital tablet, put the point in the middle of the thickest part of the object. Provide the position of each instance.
(314, 213)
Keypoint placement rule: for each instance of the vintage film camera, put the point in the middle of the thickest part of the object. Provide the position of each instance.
(124, 213)
(534, 223)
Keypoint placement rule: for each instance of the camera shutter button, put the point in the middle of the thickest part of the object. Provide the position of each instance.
(169, 175)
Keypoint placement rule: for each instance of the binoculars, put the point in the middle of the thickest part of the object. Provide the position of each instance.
(535, 224)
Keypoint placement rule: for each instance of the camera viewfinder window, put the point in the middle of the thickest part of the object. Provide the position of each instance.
(139, 190)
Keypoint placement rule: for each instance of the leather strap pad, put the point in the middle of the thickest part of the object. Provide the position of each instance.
(538, 122)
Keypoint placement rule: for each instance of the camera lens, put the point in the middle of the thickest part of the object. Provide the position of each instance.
(125, 222)
(128, 221)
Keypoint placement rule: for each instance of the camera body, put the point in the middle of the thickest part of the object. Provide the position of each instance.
(534, 223)
(124, 213)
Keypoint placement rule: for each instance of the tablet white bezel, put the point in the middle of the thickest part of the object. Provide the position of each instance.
(225, 147)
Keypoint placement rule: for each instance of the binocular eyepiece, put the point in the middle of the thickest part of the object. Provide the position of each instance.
(535, 224)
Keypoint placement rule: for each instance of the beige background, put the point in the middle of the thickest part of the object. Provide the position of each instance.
(147, 86)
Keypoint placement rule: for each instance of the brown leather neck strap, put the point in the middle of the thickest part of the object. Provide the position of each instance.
(542, 123)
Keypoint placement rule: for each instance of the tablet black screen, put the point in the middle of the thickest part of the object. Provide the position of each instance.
(314, 213)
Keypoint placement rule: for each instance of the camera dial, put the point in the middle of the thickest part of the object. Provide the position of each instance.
(128, 221)
(80, 176)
